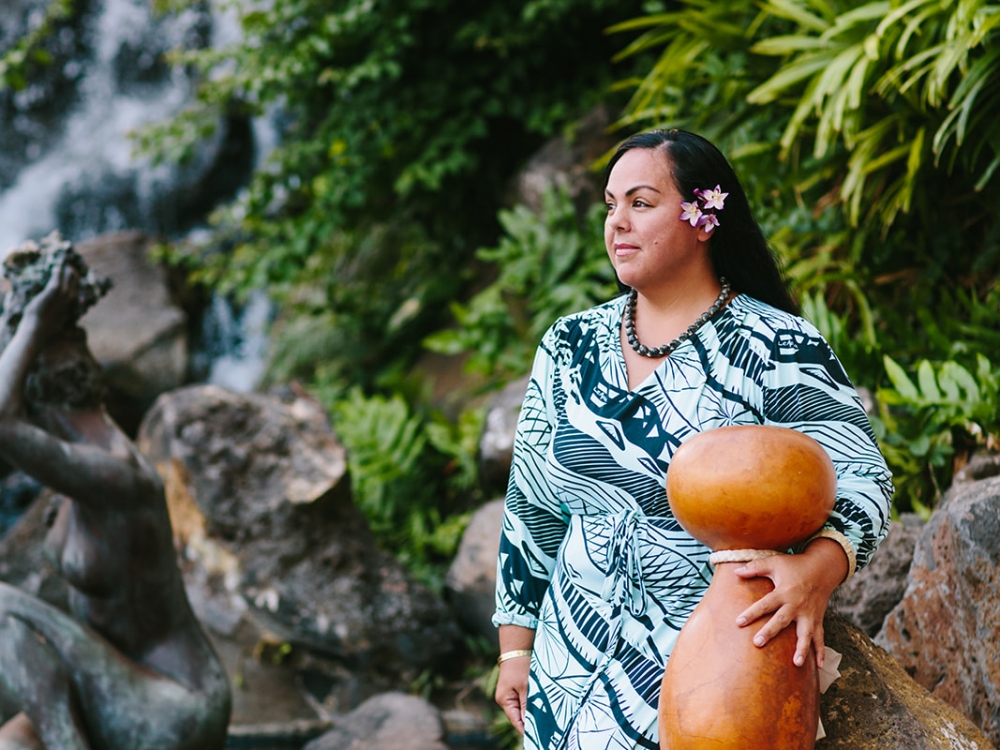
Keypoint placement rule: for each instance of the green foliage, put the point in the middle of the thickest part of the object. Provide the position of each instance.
(897, 83)
(927, 423)
(20, 61)
(413, 475)
(503, 733)
(548, 265)
(401, 123)
(862, 133)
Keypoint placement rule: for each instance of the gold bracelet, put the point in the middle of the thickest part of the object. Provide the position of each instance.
(513, 654)
(844, 542)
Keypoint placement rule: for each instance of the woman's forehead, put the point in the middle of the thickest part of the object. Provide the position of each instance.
(642, 166)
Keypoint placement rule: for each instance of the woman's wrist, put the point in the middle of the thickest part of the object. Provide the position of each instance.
(516, 642)
(845, 545)
(516, 653)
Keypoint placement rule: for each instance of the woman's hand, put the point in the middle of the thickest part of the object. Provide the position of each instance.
(512, 685)
(802, 588)
(512, 690)
(49, 310)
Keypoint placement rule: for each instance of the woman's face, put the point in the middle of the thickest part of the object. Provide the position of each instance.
(650, 247)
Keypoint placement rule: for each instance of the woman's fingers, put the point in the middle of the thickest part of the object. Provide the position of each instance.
(789, 603)
(774, 625)
(808, 634)
(512, 691)
(804, 641)
(514, 714)
(512, 706)
(817, 641)
(763, 606)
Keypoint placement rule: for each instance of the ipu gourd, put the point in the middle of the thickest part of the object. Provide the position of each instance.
(757, 487)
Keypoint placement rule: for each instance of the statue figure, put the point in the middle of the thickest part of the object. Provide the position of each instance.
(131, 667)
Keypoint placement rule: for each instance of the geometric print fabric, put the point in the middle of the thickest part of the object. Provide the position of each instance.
(591, 556)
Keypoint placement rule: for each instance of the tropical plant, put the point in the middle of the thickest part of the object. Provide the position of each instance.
(548, 265)
(400, 126)
(929, 426)
(413, 475)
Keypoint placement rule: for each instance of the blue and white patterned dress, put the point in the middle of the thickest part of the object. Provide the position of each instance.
(590, 554)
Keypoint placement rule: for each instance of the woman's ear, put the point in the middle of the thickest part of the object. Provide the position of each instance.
(705, 232)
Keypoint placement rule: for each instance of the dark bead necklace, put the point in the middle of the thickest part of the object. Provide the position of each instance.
(663, 351)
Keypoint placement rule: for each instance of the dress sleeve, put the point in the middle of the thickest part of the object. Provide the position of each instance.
(808, 390)
(533, 522)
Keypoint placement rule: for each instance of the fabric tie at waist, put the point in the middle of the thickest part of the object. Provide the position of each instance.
(628, 563)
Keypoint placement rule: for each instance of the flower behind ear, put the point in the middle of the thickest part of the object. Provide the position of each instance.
(713, 199)
(710, 221)
(701, 211)
(691, 212)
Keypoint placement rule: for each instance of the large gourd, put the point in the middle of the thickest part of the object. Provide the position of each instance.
(745, 487)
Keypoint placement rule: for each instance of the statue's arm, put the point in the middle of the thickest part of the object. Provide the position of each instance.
(83, 472)
(40, 320)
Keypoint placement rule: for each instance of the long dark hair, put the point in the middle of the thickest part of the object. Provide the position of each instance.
(737, 248)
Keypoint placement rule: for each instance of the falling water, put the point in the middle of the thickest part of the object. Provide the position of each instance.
(75, 169)
(88, 180)
(234, 342)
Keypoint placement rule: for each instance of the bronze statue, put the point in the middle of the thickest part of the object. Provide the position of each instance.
(131, 667)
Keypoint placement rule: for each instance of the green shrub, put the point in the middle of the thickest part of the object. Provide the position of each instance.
(929, 425)
(547, 265)
(413, 475)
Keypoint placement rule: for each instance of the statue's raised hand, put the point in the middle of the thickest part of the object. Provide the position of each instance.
(51, 308)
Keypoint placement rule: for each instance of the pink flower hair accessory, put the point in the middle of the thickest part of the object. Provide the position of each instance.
(701, 211)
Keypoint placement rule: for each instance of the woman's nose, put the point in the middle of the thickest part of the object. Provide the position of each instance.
(618, 220)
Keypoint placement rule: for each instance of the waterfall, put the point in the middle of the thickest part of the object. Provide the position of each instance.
(233, 347)
(69, 164)
(86, 180)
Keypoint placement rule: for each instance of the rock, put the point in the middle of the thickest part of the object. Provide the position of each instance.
(17, 491)
(875, 705)
(269, 708)
(982, 465)
(566, 162)
(22, 559)
(496, 446)
(386, 722)
(946, 630)
(260, 500)
(136, 332)
(470, 726)
(470, 585)
(870, 595)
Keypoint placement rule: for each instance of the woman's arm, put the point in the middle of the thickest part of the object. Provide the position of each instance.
(512, 684)
(807, 390)
(532, 530)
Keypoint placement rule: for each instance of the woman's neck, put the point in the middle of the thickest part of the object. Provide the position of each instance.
(676, 306)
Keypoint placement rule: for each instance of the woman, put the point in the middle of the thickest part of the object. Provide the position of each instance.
(131, 668)
(595, 576)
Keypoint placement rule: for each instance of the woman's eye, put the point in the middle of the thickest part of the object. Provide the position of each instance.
(609, 207)
(639, 203)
